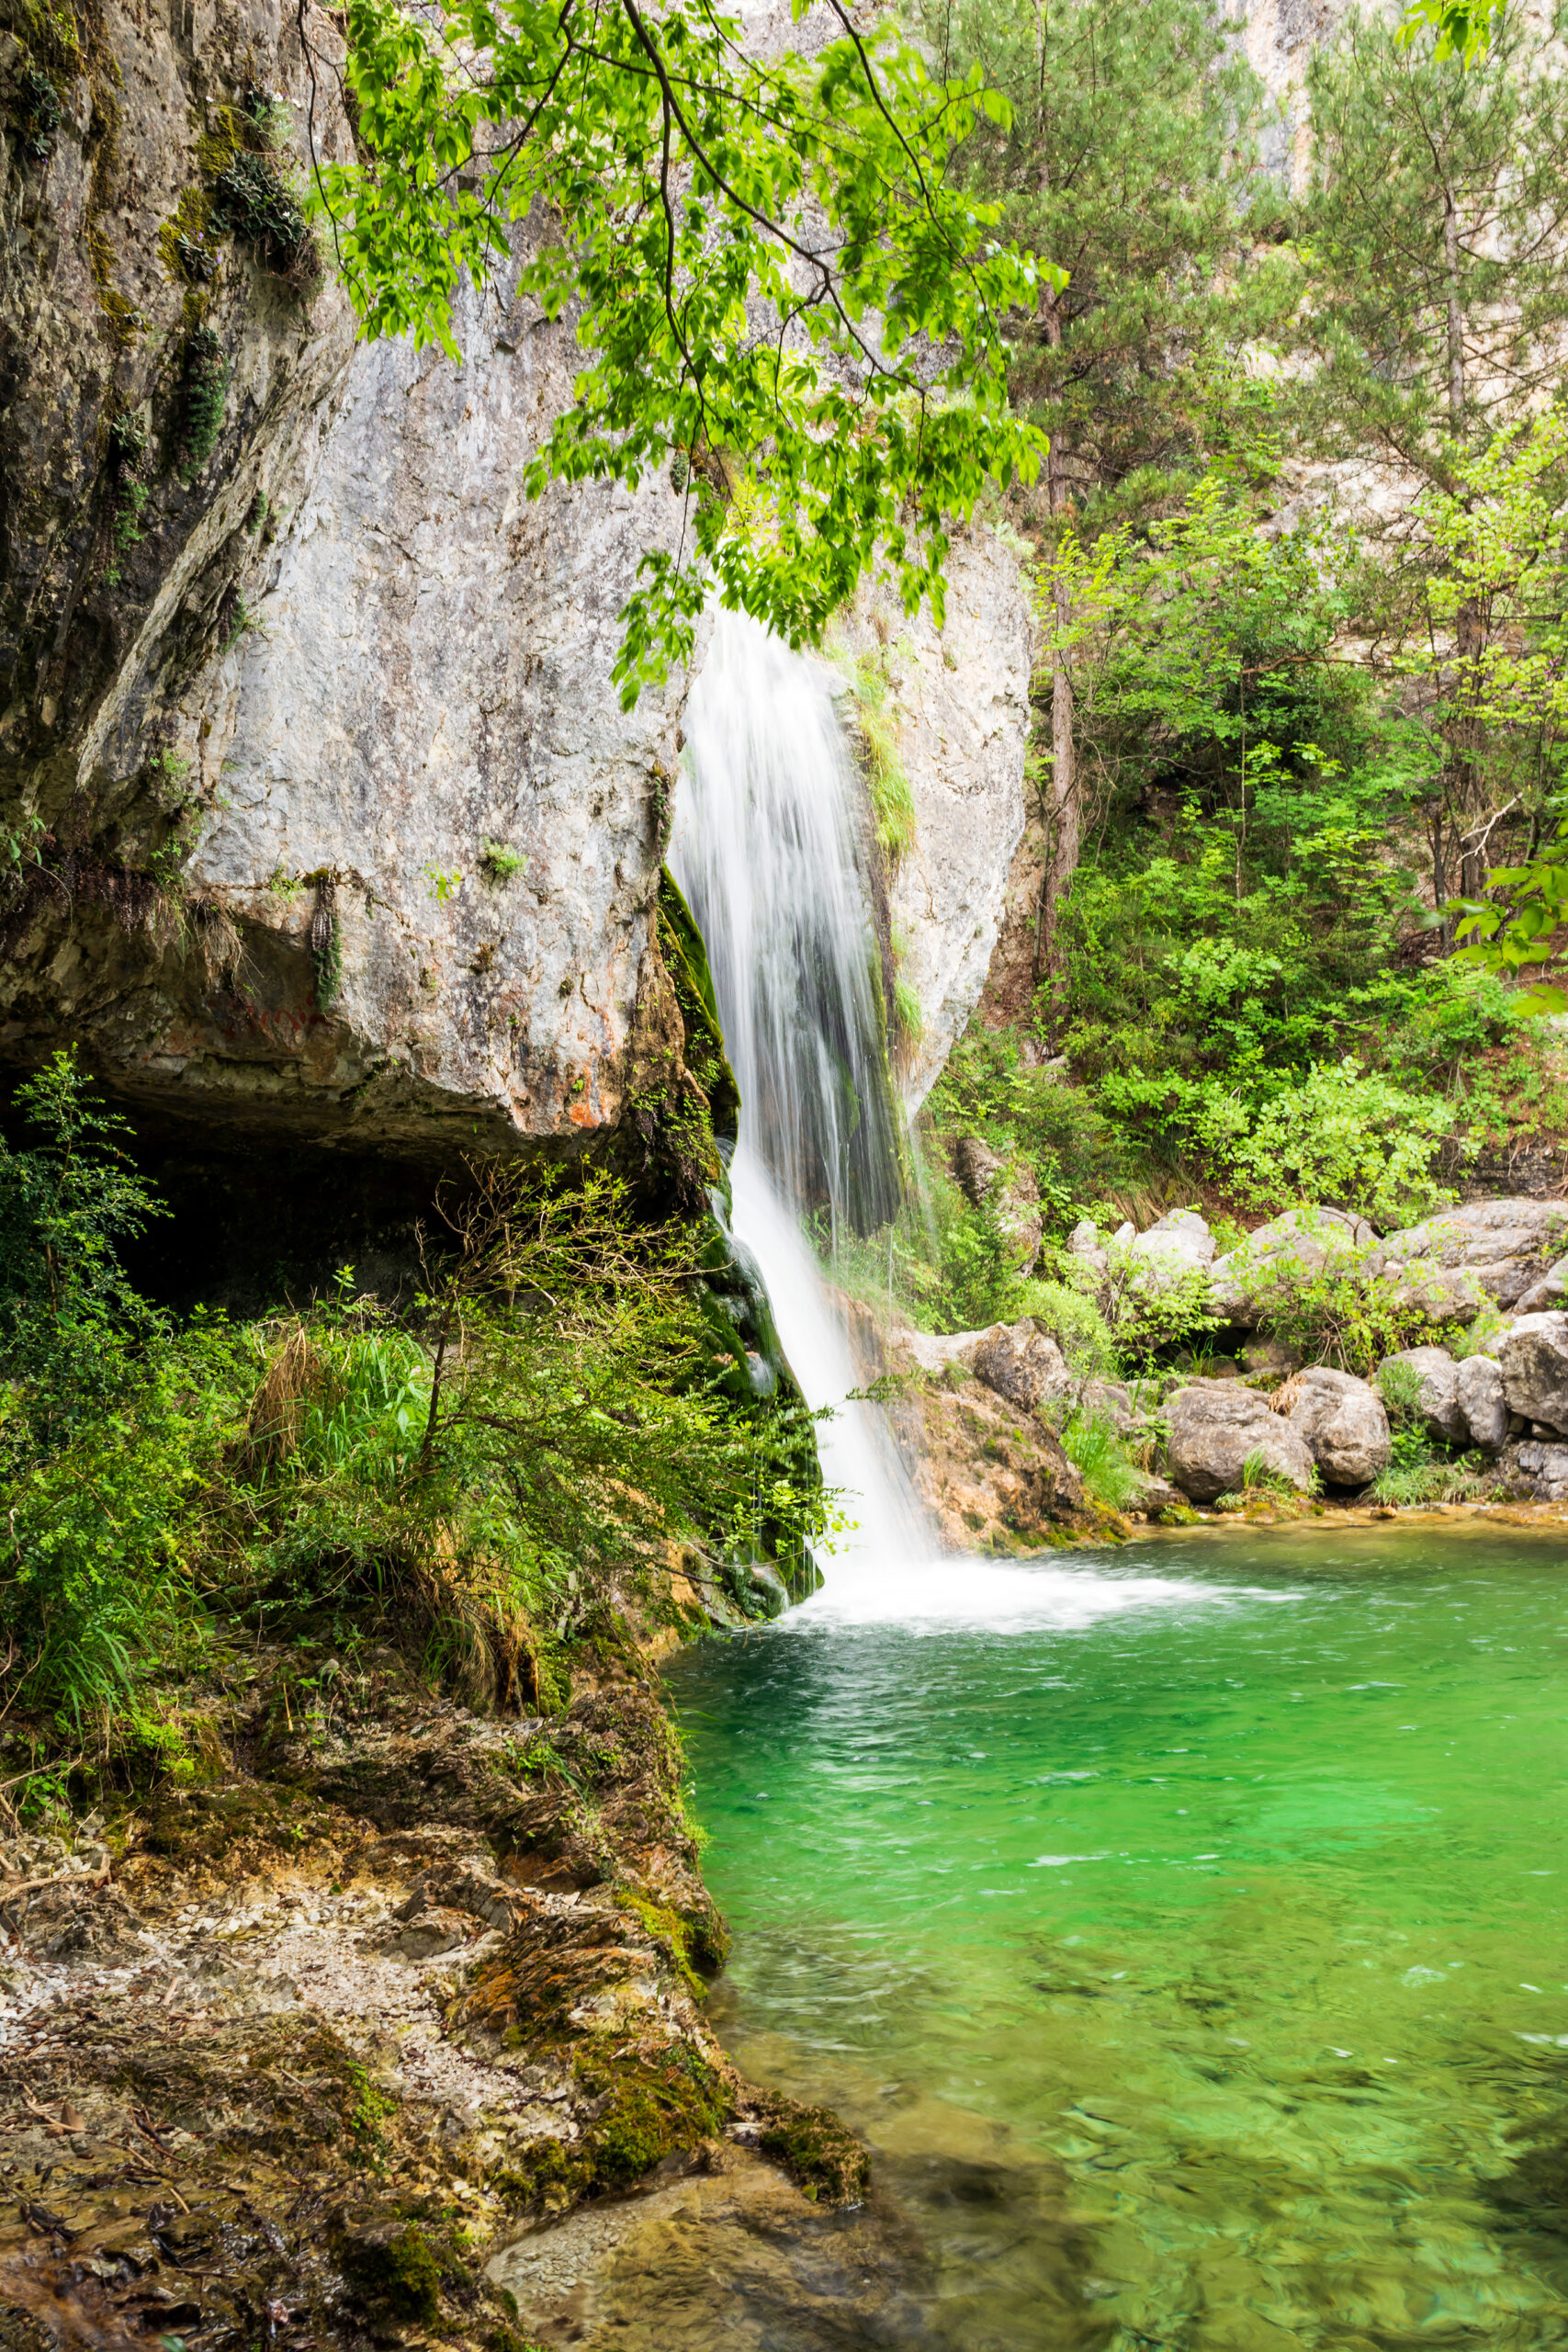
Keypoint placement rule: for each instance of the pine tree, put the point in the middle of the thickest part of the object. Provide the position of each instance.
(1126, 163)
(1436, 324)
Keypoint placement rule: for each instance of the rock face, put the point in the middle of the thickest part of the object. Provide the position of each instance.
(960, 700)
(1342, 1419)
(1507, 1246)
(1438, 1391)
(347, 836)
(1533, 1359)
(1214, 1427)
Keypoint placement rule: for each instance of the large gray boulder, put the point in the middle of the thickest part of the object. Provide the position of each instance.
(1438, 1391)
(1533, 1358)
(1024, 1366)
(1343, 1421)
(1478, 1394)
(1508, 1245)
(1176, 1244)
(1214, 1427)
(1301, 1244)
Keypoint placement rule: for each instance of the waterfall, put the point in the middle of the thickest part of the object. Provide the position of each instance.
(765, 851)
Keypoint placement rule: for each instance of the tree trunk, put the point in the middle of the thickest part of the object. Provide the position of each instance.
(1455, 317)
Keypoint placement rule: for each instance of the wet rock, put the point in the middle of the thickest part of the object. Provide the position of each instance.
(1533, 1359)
(1482, 1402)
(733, 2259)
(1438, 1391)
(1343, 1421)
(1214, 1427)
(1509, 1245)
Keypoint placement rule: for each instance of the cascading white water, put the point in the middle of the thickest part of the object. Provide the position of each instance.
(764, 851)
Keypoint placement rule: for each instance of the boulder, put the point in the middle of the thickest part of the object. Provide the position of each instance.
(1438, 1393)
(1548, 1292)
(1510, 1245)
(1084, 1243)
(1343, 1421)
(1177, 1242)
(1437, 1294)
(1303, 1242)
(1213, 1426)
(1024, 1366)
(1540, 1469)
(1156, 1495)
(1481, 1402)
(932, 1350)
(1533, 1357)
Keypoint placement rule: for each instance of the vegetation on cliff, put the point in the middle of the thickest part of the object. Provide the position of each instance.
(506, 1463)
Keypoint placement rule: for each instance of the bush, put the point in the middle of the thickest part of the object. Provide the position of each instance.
(1074, 1320)
(557, 1415)
(69, 1320)
(1344, 1135)
(1092, 1442)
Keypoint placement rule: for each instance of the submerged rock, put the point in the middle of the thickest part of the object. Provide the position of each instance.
(1343, 1421)
(1216, 1427)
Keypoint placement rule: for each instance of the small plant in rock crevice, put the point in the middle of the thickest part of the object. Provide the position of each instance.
(204, 392)
(502, 864)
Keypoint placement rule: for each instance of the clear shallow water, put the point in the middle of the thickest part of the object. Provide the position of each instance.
(1196, 1965)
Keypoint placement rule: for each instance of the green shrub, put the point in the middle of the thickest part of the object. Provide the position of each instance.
(1091, 1441)
(1074, 1320)
(69, 1320)
(204, 392)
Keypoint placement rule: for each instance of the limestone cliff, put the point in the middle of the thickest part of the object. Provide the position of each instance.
(324, 820)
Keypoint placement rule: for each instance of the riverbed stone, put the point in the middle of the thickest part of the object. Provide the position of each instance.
(1342, 1419)
(1482, 1402)
(1533, 1358)
(1437, 1395)
(1213, 1427)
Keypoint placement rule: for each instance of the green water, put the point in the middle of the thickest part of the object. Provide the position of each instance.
(1198, 1973)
